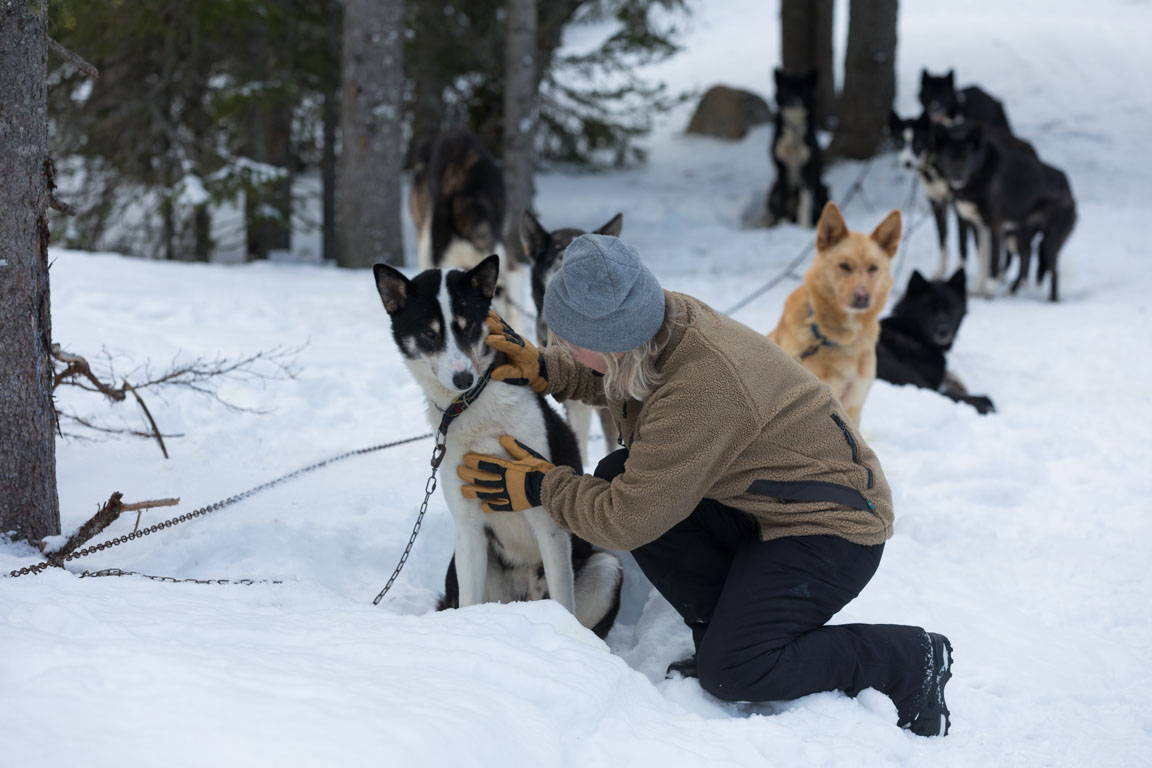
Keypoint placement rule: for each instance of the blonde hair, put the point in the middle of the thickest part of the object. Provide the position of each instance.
(631, 375)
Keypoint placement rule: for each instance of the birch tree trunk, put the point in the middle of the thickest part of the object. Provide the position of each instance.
(369, 171)
(28, 501)
(519, 119)
(869, 79)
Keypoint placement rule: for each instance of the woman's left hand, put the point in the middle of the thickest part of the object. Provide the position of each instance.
(503, 485)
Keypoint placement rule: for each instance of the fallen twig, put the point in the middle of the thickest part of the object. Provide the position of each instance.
(107, 515)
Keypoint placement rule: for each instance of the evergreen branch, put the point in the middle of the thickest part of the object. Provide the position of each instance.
(74, 58)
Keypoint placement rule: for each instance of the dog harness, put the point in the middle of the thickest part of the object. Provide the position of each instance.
(821, 339)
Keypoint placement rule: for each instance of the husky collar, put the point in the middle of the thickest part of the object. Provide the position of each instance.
(461, 403)
(821, 339)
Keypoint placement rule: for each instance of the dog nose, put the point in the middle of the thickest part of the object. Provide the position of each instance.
(861, 299)
(462, 380)
(943, 337)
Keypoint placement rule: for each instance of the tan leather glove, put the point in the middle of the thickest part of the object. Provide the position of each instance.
(503, 485)
(525, 364)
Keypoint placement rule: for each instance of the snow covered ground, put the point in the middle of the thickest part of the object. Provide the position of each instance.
(1023, 535)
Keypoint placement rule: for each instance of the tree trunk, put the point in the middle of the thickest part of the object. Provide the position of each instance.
(331, 119)
(328, 177)
(268, 212)
(519, 119)
(806, 44)
(371, 157)
(869, 79)
(28, 502)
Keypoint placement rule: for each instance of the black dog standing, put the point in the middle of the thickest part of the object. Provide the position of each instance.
(1009, 193)
(946, 106)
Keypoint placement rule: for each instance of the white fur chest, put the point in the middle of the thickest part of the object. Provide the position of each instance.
(790, 148)
(935, 187)
(968, 211)
(502, 409)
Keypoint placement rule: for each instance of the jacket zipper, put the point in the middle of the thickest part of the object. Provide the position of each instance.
(852, 444)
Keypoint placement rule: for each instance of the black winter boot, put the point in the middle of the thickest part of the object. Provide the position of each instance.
(683, 668)
(924, 712)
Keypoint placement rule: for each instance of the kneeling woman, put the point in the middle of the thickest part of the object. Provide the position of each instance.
(744, 492)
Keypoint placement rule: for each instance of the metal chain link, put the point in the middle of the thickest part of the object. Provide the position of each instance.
(173, 579)
(41, 567)
(429, 488)
(914, 221)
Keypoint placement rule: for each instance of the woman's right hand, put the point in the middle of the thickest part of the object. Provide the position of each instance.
(525, 364)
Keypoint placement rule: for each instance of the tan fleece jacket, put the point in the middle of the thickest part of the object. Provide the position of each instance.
(735, 419)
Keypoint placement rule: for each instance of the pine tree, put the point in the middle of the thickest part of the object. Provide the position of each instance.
(28, 501)
(372, 114)
(519, 117)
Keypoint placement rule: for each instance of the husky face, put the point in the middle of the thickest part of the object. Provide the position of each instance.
(960, 152)
(438, 321)
(545, 251)
(938, 96)
(933, 309)
(796, 91)
(913, 138)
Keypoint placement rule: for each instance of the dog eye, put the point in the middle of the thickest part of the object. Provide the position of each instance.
(845, 266)
(431, 334)
(873, 268)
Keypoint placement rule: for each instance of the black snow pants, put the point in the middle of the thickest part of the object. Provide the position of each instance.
(757, 609)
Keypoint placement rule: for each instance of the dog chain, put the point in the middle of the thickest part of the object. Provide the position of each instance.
(173, 579)
(911, 227)
(41, 567)
(429, 489)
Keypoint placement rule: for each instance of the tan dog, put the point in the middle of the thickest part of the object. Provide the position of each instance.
(830, 323)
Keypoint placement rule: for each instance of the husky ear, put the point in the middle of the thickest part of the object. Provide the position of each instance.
(950, 78)
(613, 227)
(778, 74)
(831, 228)
(887, 235)
(393, 287)
(959, 281)
(916, 284)
(483, 276)
(924, 77)
(533, 236)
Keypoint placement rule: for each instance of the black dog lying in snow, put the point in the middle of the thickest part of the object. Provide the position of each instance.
(920, 329)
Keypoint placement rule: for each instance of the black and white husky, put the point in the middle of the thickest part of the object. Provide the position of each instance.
(798, 192)
(458, 204)
(438, 322)
(913, 139)
(545, 252)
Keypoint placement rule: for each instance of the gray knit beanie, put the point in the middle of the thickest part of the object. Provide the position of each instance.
(603, 298)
